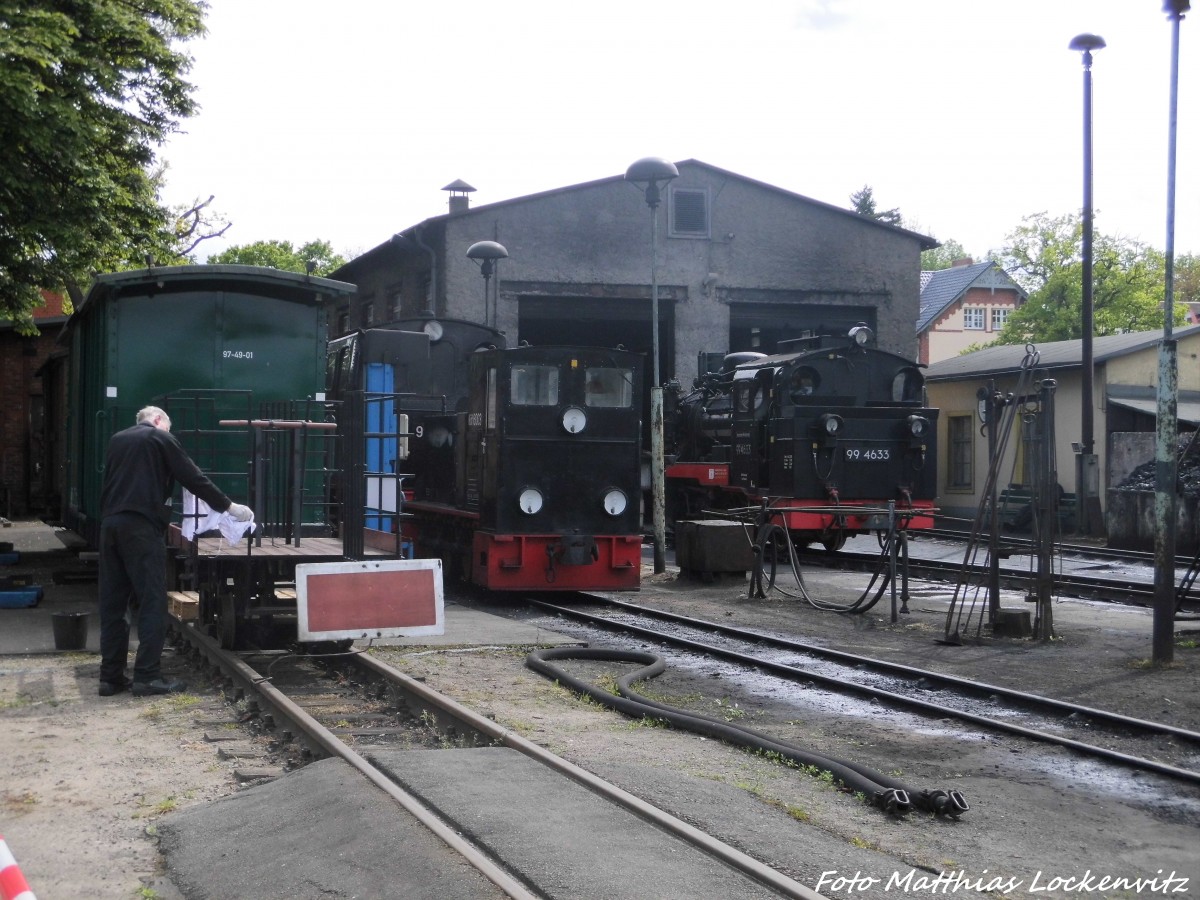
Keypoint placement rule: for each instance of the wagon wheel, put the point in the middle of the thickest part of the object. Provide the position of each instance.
(834, 541)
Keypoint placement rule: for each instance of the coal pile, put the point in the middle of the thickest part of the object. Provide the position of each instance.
(1143, 477)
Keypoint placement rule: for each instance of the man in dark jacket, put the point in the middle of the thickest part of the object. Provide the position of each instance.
(140, 472)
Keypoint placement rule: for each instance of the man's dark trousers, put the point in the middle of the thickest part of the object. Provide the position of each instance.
(133, 560)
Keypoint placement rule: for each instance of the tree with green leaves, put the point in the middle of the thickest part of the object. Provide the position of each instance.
(1045, 256)
(863, 203)
(282, 255)
(1187, 278)
(942, 256)
(88, 90)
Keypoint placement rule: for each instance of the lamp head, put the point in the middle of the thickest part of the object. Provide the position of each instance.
(485, 253)
(1176, 8)
(1087, 43)
(648, 173)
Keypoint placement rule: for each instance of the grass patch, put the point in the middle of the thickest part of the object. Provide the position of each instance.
(169, 703)
(15, 803)
(649, 722)
(729, 710)
(1143, 665)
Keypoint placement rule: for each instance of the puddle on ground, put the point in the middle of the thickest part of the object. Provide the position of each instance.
(1109, 779)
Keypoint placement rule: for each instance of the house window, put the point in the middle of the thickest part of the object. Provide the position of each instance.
(368, 315)
(343, 321)
(973, 318)
(1000, 318)
(689, 213)
(961, 434)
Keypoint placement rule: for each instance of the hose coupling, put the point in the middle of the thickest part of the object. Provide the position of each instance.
(944, 803)
(894, 800)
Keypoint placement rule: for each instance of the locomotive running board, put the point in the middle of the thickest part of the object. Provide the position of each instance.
(369, 599)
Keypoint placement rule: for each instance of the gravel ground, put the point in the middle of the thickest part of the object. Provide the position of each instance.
(1037, 815)
(87, 778)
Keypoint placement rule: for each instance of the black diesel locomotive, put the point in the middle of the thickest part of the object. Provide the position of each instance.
(827, 432)
(523, 476)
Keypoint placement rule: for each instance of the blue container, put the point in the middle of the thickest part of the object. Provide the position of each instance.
(21, 598)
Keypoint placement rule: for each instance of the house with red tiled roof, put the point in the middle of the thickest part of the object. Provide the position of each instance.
(963, 306)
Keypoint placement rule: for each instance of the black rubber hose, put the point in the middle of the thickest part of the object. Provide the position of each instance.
(883, 791)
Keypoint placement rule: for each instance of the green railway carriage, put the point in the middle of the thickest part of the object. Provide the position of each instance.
(229, 337)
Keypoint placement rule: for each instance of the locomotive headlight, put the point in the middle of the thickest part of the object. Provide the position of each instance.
(918, 425)
(530, 501)
(830, 423)
(574, 419)
(615, 502)
(861, 334)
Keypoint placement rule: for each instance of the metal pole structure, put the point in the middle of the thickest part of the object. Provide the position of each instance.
(1045, 491)
(992, 408)
(487, 254)
(487, 277)
(653, 171)
(658, 463)
(1167, 429)
(1085, 463)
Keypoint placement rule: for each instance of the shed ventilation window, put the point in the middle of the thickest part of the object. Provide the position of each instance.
(689, 212)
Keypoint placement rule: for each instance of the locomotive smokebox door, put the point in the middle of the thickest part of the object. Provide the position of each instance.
(369, 599)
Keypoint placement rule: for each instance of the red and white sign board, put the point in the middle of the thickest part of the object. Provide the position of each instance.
(369, 599)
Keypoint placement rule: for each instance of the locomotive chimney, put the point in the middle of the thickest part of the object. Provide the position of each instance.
(459, 201)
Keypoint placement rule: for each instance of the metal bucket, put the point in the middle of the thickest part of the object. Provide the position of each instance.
(70, 630)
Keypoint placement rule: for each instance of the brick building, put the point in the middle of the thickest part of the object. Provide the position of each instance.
(964, 305)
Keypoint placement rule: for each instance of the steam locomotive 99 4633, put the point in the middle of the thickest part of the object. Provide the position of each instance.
(825, 433)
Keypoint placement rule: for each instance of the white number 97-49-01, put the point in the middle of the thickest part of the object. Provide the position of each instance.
(237, 354)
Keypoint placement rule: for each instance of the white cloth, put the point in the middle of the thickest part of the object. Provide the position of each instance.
(199, 517)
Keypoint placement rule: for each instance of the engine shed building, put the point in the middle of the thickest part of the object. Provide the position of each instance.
(1125, 399)
(741, 265)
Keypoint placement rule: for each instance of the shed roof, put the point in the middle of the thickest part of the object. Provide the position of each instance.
(347, 270)
(1008, 358)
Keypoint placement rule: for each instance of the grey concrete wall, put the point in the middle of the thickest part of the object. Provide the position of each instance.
(1131, 521)
(762, 240)
(1126, 451)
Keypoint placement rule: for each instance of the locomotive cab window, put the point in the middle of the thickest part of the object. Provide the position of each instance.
(748, 394)
(534, 386)
(608, 387)
(803, 383)
(908, 385)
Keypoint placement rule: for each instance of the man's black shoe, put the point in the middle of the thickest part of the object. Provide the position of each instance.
(108, 688)
(158, 686)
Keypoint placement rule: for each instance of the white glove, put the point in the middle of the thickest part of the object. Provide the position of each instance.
(239, 512)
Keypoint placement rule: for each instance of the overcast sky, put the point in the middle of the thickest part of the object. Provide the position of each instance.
(343, 121)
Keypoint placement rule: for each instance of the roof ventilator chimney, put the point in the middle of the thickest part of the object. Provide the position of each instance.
(459, 201)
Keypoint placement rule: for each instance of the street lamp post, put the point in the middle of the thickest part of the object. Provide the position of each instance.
(486, 254)
(649, 174)
(1086, 472)
(1167, 422)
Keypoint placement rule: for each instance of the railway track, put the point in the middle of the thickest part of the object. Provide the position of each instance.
(977, 704)
(1125, 589)
(352, 707)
